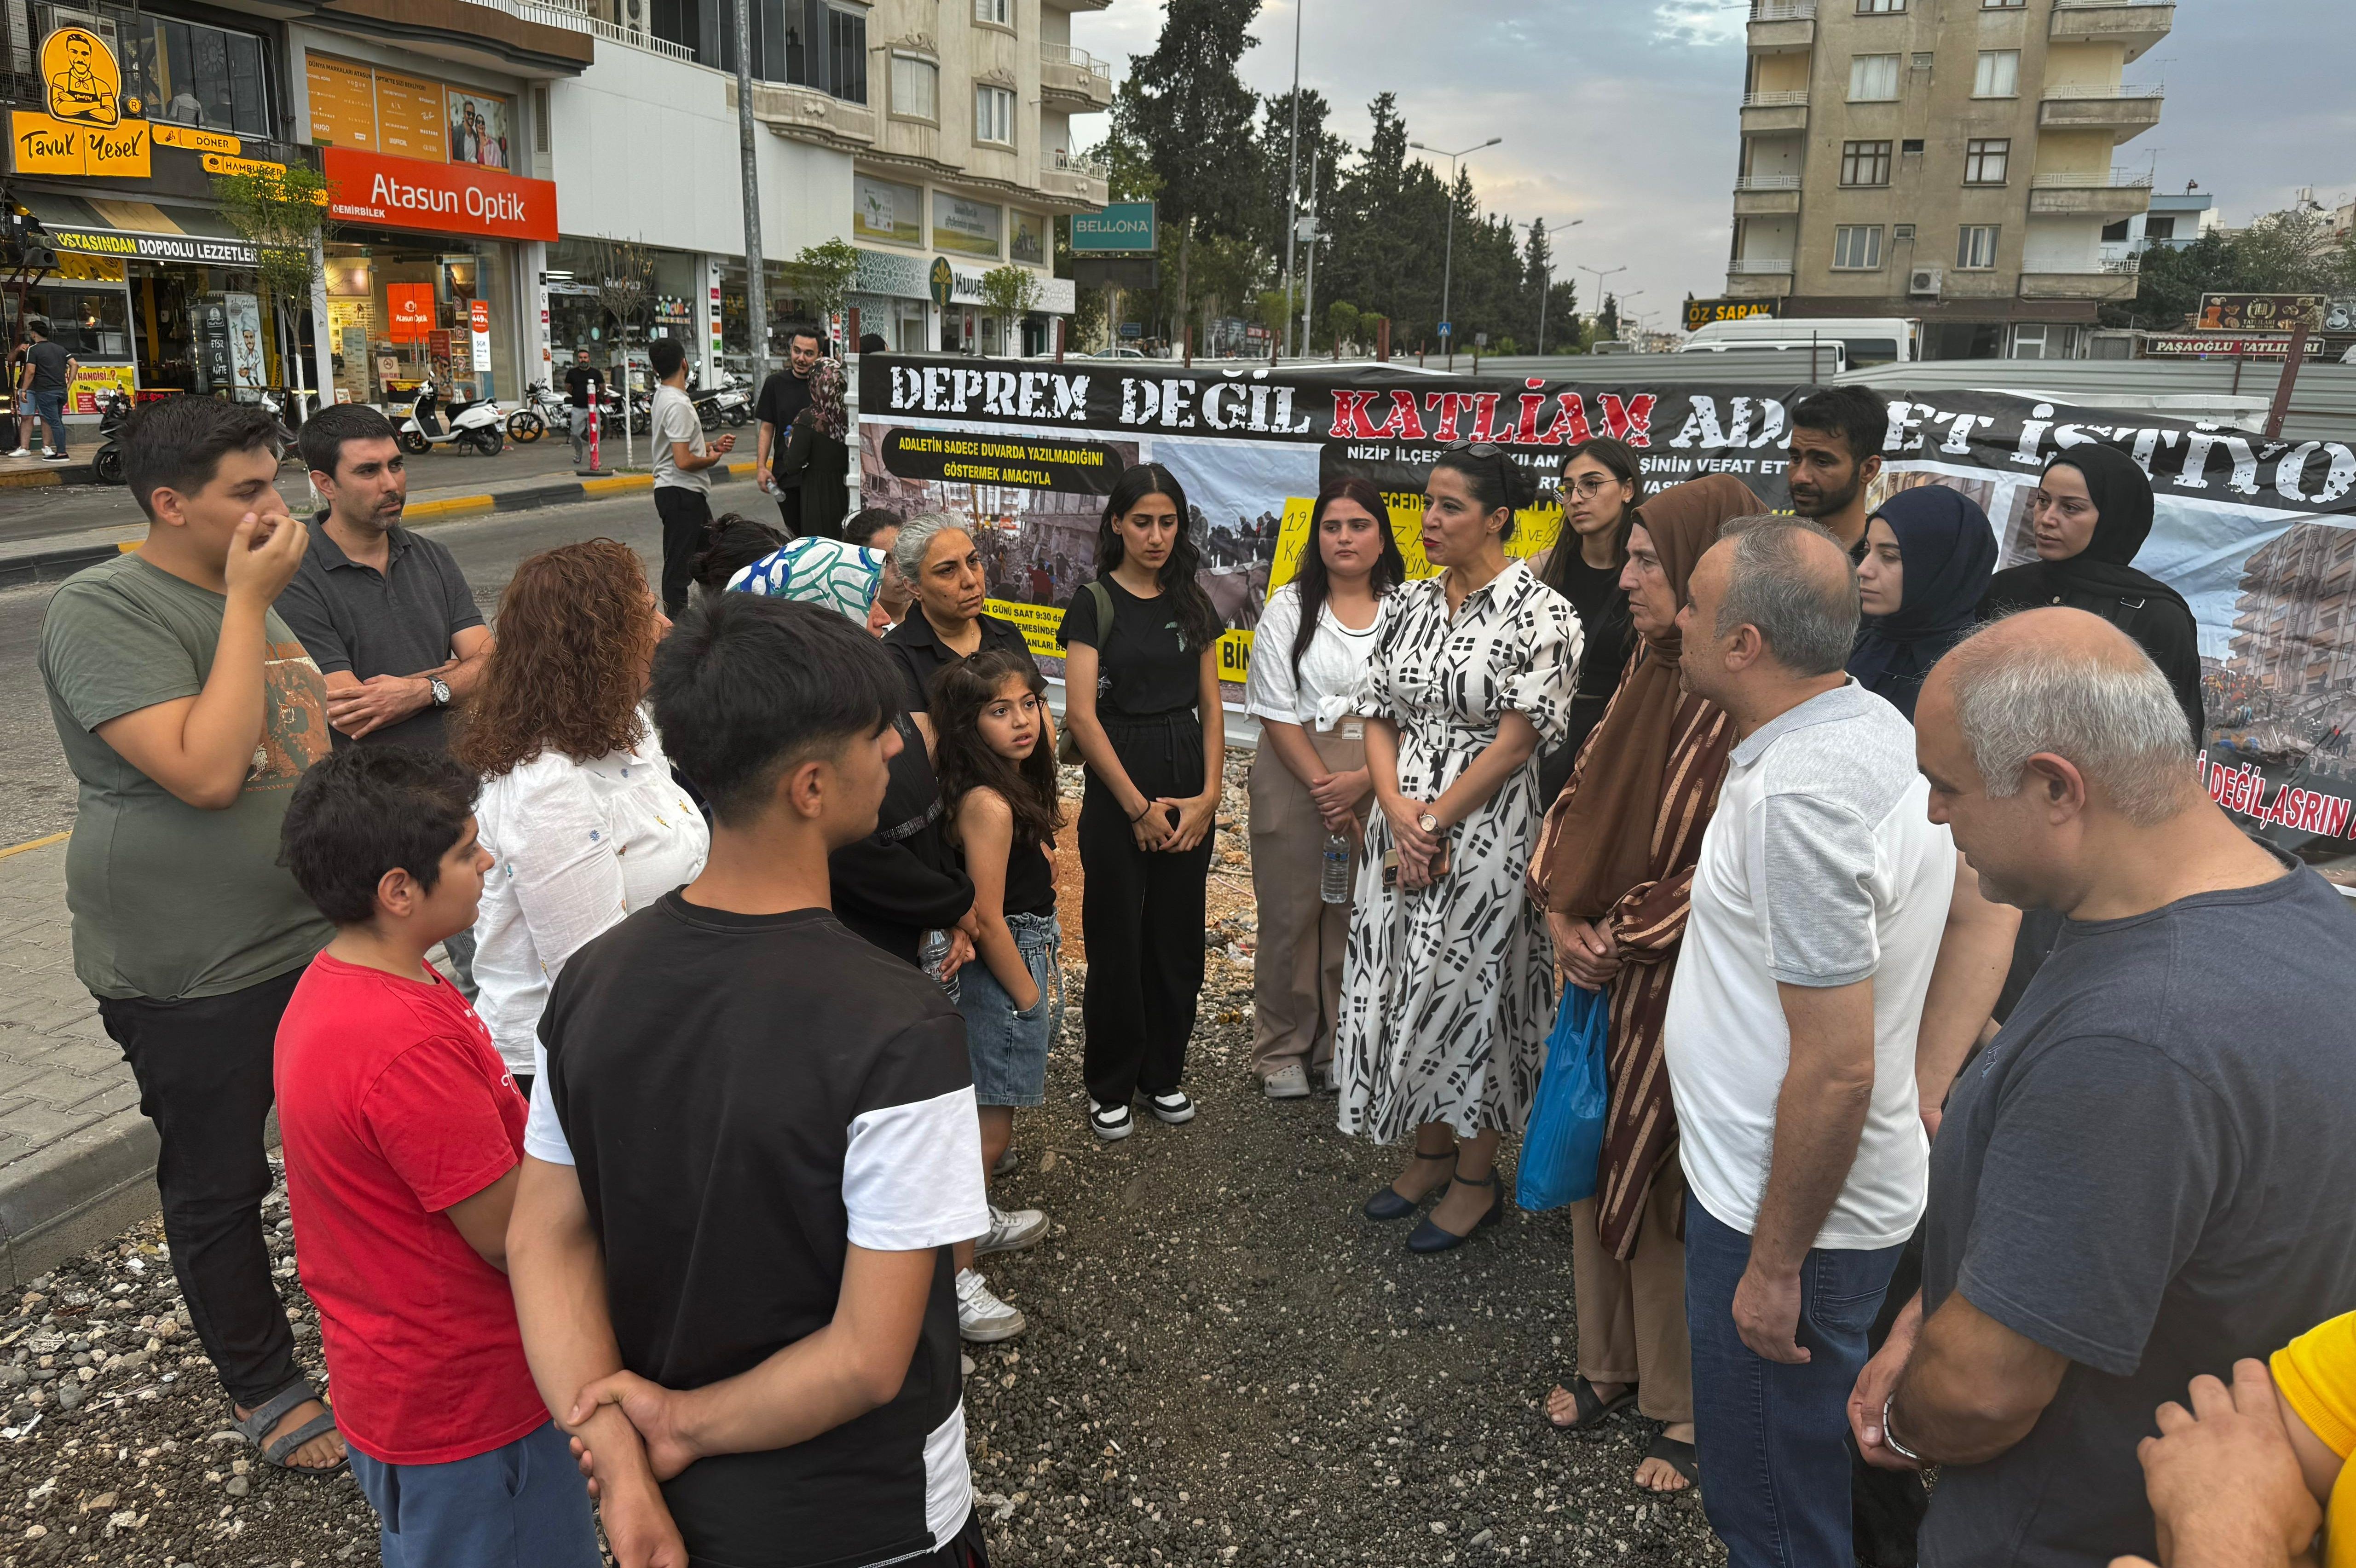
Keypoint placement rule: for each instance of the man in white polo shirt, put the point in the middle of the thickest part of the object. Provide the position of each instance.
(1818, 903)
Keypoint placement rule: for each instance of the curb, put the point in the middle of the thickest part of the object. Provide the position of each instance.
(34, 478)
(558, 493)
(43, 566)
(60, 1199)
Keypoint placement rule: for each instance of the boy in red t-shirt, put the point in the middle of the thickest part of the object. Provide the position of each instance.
(402, 1135)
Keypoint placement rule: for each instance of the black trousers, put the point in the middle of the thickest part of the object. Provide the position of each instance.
(204, 1074)
(684, 513)
(1143, 917)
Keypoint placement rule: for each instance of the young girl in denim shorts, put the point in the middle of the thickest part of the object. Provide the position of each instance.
(996, 763)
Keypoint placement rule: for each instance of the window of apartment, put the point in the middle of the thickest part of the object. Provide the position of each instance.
(1856, 247)
(846, 54)
(1879, 8)
(1976, 246)
(997, 13)
(197, 75)
(915, 88)
(1985, 159)
(2116, 233)
(993, 115)
(1865, 162)
(2002, 5)
(1873, 79)
(1998, 75)
(2158, 227)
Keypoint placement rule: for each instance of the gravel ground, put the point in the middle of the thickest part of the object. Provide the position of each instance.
(1225, 1364)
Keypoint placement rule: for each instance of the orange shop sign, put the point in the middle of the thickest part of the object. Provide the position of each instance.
(409, 310)
(446, 198)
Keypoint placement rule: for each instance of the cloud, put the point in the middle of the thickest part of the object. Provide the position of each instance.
(1699, 22)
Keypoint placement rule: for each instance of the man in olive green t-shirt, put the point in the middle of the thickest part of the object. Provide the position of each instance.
(187, 710)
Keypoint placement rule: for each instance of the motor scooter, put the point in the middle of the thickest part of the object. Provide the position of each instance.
(106, 463)
(476, 425)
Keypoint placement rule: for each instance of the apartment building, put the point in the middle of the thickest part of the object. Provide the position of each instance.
(1955, 161)
(2295, 622)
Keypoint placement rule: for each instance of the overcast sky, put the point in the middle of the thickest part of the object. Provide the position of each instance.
(1621, 112)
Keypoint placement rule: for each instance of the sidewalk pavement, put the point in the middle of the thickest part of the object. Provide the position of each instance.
(17, 472)
(77, 1160)
(60, 556)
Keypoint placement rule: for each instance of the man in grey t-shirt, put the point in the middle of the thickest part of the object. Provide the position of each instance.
(682, 470)
(2145, 1176)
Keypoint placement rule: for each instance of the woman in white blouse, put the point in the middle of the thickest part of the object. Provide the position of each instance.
(1309, 777)
(579, 810)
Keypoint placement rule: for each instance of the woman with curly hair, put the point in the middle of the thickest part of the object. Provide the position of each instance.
(579, 810)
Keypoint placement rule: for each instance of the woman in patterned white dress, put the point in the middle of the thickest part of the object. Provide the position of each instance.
(1448, 986)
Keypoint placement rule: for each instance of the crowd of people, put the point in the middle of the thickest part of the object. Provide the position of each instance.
(648, 984)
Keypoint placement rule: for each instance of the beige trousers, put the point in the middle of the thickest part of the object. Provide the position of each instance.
(1297, 967)
(1632, 1315)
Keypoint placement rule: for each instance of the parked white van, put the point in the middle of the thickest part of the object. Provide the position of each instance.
(1864, 339)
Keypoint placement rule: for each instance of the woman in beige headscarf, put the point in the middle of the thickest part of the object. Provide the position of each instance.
(1614, 870)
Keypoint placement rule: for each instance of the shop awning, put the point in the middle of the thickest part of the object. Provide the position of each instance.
(139, 230)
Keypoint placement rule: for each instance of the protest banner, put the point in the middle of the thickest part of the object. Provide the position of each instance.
(2259, 536)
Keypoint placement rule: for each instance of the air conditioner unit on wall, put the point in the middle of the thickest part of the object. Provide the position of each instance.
(1924, 282)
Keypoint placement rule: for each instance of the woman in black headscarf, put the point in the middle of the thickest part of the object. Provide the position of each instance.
(2091, 512)
(1929, 552)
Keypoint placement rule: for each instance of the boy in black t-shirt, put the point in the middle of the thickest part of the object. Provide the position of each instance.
(753, 1149)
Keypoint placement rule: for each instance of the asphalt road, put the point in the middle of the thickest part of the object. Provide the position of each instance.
(37, 792)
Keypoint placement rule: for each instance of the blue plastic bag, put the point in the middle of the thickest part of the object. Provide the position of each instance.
(1564, 1145)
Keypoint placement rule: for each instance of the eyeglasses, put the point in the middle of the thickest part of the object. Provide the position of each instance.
(1587, 489)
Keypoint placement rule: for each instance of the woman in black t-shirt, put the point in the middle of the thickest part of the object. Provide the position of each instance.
(1142, 699)
(1601, 486)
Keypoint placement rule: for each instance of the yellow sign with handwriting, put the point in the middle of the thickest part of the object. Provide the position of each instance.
(80, 78)
(195, 140)
(44, 144)
(219, 164)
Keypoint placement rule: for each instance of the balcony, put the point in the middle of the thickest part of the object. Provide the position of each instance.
(2113, 194)
(1766, 114)
(1766, 196)
(1759, 277)
(1783, 26)
(1073, 81)
(2127, 110)
(502, 35)
(1069, 179)
(2108, 281)
(2137, 24)
(576, 16)
(806, 114)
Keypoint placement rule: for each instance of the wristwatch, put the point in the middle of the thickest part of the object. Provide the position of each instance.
(441, 690)
(1428, 822)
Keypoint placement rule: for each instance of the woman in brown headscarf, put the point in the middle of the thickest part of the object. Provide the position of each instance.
(1614, 870)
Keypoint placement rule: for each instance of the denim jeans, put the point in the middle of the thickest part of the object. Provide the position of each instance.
(1007, 1045)
(1771, 1439)
(51, 407)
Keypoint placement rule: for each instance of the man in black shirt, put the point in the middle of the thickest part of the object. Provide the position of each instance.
(753, 1150)
(1835, 456)
(50, 371)
(584, 389)
(785, 393)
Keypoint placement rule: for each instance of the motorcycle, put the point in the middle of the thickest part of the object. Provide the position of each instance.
(106, 463)
(723, 403)
(542, 409)
(471, 424)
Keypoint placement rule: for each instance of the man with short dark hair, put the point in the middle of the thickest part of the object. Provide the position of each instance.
(187, 710)
(753, 1150)
(682, 470)
(785, 394)
(1819, 898)
(585, 394)
(2145, 1176)
(48, 371)
(384, 613)
(1835, 456)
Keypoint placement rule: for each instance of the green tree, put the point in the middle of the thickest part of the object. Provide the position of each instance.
(821, 276)
(1011, 291)
(284, 214)
(2282, 252)
(1607, 321)
(1341, 323)
(1191, 115)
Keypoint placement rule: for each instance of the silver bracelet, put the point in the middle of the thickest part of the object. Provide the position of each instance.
(1890, 1436)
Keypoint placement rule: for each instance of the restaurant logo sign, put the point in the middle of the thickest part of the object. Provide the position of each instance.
(192, 247)
(80, 80)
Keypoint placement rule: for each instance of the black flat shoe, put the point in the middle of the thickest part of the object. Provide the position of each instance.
(1388, 1205)
(1592, 1410)
(1433, 1237)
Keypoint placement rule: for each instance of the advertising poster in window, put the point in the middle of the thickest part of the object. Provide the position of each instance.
(479, 130)
(343, 103)
(883, 210)
(408, 118)
(249, 371)
(1028, 240)
(2258, 536)
(968, 228)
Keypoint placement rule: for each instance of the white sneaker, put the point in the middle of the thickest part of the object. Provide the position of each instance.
(1290, 1081)
(1012, 1230)
(1173, 1108)
(1111, 1123)
(981, 1317)
(22, 452)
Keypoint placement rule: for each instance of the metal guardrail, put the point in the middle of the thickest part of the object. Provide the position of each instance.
(1783, 10)
(1774, 99)
(2083, 91)
(2111, 4)
(2115, 179)
(1072, 163)
(1759, 265)
(1768, 182)
(1063, 53)
(575, 16)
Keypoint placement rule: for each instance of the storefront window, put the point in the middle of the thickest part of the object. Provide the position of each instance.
(184, 347)
(784, 311)
(400, 310)
(87, 321)
(199, 75)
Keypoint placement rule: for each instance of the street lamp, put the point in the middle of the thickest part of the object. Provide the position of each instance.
(1624, 314)
(1599, 277)
(1546, 283)
(1293, 181)
(1448, 260)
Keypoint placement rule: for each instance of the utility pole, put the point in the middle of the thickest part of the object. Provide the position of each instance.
(1546, 284)
(756, 301)
(1292, 175)
(1448, 259)
(1308, 289)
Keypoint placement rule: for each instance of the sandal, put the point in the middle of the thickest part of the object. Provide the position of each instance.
(1593, 1409)
(1388, 1205)
(1678, 1457)
(255, 1429)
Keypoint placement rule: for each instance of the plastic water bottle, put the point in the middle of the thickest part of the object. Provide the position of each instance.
(1334, 883)
(933, 957)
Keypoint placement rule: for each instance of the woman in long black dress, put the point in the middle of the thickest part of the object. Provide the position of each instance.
(1603, 484)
